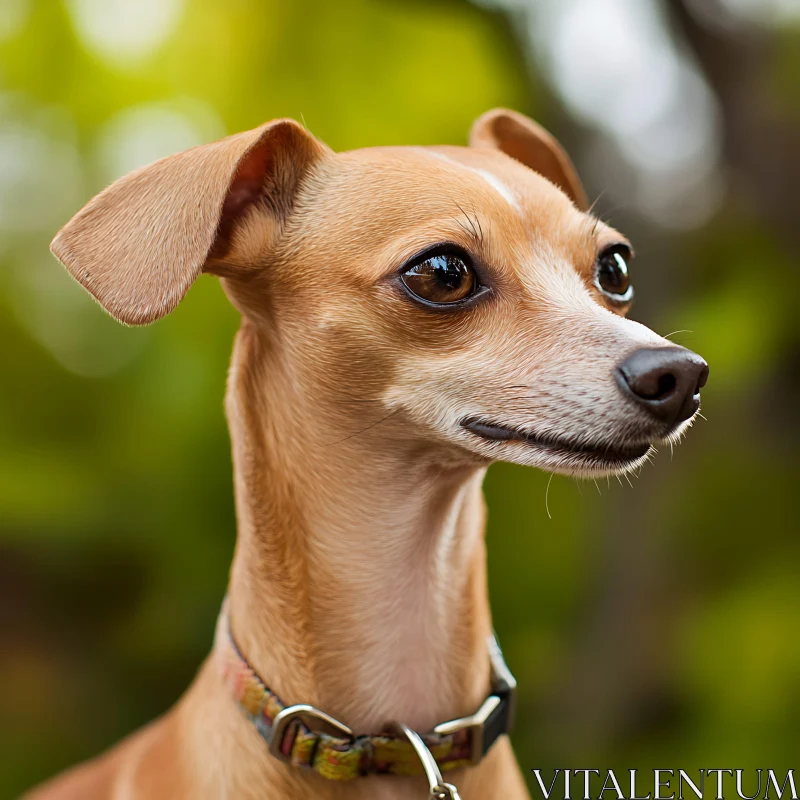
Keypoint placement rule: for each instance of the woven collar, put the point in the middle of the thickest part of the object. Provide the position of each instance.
(306, 741)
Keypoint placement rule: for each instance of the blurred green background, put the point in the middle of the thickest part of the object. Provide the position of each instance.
(649, 626)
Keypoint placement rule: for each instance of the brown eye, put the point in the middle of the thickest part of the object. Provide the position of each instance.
(441, 279)
(612, 276)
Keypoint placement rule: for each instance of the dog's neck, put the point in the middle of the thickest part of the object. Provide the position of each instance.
(359, 579)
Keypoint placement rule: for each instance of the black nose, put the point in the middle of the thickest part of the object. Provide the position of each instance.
(665, 380)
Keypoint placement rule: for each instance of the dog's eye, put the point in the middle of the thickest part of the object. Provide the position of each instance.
(442, 278)
(612, 276)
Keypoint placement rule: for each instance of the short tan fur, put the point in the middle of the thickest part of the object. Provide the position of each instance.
(359, 578)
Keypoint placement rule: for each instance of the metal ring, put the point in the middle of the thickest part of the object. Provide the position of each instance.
(445, 791)
(439, 790)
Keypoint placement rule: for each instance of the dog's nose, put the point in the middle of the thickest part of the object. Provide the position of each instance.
(666, 381)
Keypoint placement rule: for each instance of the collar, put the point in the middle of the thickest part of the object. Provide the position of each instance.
(304, 736)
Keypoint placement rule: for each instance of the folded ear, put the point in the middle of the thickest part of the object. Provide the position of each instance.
(521, 138)
(138, 246)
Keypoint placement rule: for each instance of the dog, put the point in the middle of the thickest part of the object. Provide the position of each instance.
(409, 316)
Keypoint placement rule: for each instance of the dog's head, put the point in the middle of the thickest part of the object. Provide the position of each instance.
(467, 291)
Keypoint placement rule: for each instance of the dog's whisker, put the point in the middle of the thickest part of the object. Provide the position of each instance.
(476, 230)
(675, 333)
(590, 210)
(592, 216)
(606, 217)
(547, 496)
(470, 232)
(364, 430)
(478, 223)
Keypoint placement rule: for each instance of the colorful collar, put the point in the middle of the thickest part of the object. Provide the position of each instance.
(304, 736)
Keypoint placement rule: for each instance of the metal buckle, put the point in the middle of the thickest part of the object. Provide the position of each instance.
(496, 714)
(315, 720)
(477, 723)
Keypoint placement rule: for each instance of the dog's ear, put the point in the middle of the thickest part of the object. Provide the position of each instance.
(521, 138)
(138, 246)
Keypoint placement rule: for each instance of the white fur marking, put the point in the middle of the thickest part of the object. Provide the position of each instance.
(498, 186)
(491, 179)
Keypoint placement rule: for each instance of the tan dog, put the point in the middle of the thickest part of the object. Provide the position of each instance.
(409, 315)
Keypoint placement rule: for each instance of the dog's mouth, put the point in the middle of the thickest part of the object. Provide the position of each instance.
(599, 455)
